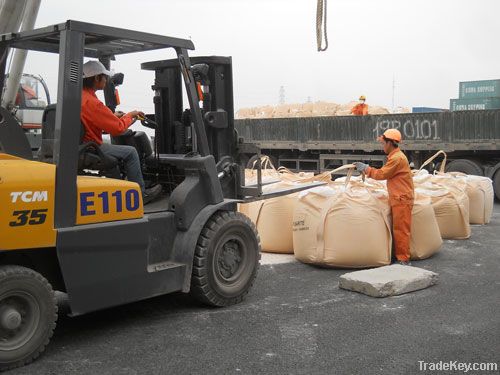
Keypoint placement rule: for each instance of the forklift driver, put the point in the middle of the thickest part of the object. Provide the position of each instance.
(96, 118)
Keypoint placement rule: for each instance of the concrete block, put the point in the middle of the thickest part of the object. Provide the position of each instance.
(388, 281)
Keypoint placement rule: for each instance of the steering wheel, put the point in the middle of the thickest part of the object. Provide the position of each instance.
(147, 122)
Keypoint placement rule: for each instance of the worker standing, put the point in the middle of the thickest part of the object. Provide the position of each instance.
(398, 174)
(360, 109)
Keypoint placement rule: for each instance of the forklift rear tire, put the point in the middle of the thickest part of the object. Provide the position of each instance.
(226, 259)
(28, 315)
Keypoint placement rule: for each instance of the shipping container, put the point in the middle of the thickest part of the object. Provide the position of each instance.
(480, 89)
(474, 104)
(427, 110)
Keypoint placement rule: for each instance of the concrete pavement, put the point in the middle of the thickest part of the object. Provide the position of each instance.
(297, 321)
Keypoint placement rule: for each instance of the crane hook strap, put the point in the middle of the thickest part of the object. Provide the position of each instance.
(321, 25)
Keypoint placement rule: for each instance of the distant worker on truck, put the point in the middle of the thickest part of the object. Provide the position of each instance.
(398, 174)
(360, 109)
(97, 118)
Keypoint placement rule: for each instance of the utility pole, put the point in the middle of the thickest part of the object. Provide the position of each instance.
(282, 95)
(393, 90)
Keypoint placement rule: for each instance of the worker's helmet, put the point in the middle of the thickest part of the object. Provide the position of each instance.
(94, 68)
(362, 97)
(392, 135)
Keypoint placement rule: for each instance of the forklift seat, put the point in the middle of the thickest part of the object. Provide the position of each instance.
(13, 141)
(89, 154)
(91, 157)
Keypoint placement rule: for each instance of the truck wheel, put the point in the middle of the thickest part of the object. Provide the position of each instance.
(28, 314)
(496, 184)
(465, 166)
(226, 259)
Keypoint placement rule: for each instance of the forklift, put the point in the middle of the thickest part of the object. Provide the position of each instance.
(70, 222)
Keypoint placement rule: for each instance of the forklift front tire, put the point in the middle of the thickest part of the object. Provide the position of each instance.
(226, 259)
(28, 314)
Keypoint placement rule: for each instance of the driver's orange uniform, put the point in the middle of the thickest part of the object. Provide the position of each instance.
(96, 118)
(398, 174)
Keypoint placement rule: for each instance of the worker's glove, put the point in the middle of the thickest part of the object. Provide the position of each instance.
(361, 167)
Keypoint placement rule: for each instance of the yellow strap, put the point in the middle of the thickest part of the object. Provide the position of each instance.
(286, 174)
(350, 168)
(285, 170)
(265, 162)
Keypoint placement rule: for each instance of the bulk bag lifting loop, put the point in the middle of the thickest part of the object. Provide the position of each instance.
(428, 161)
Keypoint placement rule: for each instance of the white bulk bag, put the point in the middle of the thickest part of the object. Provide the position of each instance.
(342, 225)
(273, 219)
(449, 199)
(425, 239)
(451, 208)
(481, 198)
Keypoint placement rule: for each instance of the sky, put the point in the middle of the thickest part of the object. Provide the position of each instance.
(425, 46)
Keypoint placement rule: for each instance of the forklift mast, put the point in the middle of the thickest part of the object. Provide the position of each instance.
(214, 80)
(176, 134)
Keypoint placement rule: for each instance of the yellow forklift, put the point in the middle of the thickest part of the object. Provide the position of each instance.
(69, 222)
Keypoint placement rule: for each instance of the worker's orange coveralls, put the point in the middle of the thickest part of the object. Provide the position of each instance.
(96, 118)
(398, 174)
(360, 109)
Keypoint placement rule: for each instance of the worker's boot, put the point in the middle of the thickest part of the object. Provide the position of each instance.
(151, 194)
